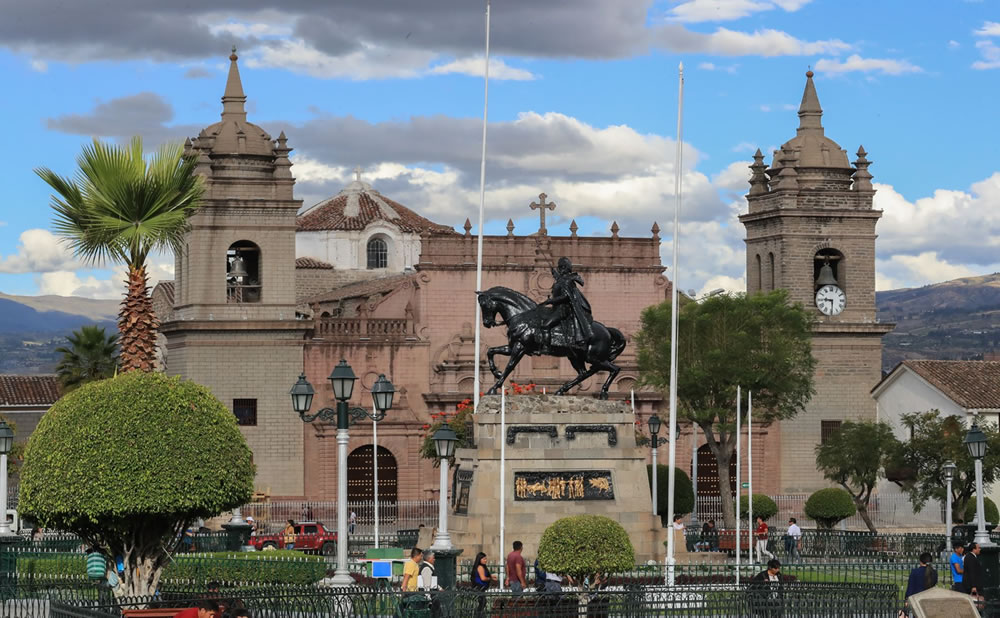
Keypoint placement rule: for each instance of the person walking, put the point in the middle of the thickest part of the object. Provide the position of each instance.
(792, 539)
(515, 576)
(429, 583)
(288, 535)
(481, 581)
(957, 563)
(972, 576)
(351, 522)
(760, 533)
(922, 577)
(411, 570)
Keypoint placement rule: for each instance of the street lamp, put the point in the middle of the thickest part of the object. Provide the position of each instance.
(444, 443)
(975, 441)
(948, 471)
(655, 441)
(342, 380)
(6, 442)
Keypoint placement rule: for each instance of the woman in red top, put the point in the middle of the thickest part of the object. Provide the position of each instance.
(761, 535)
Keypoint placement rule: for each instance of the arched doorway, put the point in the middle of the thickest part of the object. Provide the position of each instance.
(360, 475)
(708, 472)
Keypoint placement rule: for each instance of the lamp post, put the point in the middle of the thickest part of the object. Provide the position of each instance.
(342, 380)
(444, 443)
(6, 442)
(948, 471)
(694, 473)
(655, 441)
(975, 441)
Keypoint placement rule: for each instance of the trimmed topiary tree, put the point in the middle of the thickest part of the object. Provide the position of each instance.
(683, 491)
(128, 463)
(763, 506)
(830, 506)
(584, 546)
(992, 514)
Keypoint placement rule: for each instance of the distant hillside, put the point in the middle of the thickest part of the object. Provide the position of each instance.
(32, 327)
(958, 319)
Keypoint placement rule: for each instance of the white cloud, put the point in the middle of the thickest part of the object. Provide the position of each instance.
(38, 251)
(954, 44)
(89, 285)
(693, 11)
(710, 66)
(39, 66)
(991, 56)
(369, 62)
(989, 28)
(725, 42)
(725, 282)
(473, 66)
(917, 270)
(744, 147)
(736, 176)
(855, 62)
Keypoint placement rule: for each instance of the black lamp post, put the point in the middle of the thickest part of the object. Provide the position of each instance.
(975, 442)
(342, 380)
(655, 441)
(444, 443)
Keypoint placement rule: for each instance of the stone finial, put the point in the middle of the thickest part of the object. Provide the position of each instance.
(282, 140)
(282, 165)
(788, 177)
(467, 227)
(655, 230)
(862, 177)
(357, 173)
(541, 208)
(810, 112)
(573, 227)
(614, 229)
(233, 97)
(758, 179)
(510, 227)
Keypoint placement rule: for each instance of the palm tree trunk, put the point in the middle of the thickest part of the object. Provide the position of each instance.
(138, 324)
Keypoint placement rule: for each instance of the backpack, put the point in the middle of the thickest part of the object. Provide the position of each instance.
(539, 577)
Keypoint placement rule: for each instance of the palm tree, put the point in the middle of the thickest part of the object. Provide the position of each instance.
(118, 208)
(91, 356)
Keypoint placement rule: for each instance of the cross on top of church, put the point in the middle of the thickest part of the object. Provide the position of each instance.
(541, 212)
(357, 173)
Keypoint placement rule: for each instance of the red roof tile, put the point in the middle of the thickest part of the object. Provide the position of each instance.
(357, 206)
(974, 385)
(28, 390)
(313, 263)
(362, 288)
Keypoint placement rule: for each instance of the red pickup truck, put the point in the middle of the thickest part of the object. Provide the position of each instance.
(310, 536)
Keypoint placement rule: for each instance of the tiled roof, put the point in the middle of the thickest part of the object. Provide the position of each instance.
(970, 384)
(361, 288)
(358, 206)
(308, 262)
(28, 390)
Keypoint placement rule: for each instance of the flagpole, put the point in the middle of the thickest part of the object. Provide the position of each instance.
(673, 330)
(750, 466)
(503, 478)
(739, 460)
(482, 207)
(375, 468)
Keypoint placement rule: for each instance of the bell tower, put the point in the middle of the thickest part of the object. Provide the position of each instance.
(810, 229)
(233, 326)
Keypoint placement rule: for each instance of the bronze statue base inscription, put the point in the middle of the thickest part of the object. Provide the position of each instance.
(564, 485)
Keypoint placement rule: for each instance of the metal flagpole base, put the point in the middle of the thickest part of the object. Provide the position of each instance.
(342, 579)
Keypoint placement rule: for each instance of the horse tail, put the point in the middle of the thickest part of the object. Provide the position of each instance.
(617, 342)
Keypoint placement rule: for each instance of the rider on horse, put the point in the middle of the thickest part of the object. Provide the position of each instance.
(569, 307)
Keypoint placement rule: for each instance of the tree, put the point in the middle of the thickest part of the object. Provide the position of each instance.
(935, 440)
(91, 355)
(129, 463)
(992, 514)
(855, 457)
(761, 343)
(683, 491)
(119, 208)
(584, 546)
(830, 506)
(763, 507)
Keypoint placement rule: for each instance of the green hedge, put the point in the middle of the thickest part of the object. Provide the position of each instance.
(282, 566)
(992, 514)
(683, 490)
(829, 506)
(763, 506)
(585, 545)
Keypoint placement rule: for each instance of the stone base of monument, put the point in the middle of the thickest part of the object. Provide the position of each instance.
(564, 456)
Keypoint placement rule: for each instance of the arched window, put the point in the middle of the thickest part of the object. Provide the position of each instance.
(770, 265)
(758, 281)
(243, 270)
(378, 253)
(837, 264)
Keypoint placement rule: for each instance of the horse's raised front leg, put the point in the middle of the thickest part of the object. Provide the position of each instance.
(516, 354)
(490, 353)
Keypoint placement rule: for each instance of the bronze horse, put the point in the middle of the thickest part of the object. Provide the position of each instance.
(526, 335)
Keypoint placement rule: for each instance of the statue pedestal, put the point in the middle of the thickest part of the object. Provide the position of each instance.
(564, 456)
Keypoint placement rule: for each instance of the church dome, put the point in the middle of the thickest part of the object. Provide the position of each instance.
(357, 206)
(811, 147)
(233, 134)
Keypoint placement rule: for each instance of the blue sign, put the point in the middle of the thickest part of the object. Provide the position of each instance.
(382, 569)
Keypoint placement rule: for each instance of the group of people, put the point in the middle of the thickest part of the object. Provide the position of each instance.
(709, 538)
(966, 570)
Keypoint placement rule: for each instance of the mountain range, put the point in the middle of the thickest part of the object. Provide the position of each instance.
(957, 319)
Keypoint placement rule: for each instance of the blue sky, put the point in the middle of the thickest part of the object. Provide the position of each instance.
(583, 102)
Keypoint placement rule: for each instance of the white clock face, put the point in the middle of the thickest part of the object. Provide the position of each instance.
(831, 300)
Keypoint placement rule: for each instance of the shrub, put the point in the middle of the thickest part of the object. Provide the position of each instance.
(829, 506)
(128, 462)
(585, 545)
(992, 514)
(763, 506)
(683, 491)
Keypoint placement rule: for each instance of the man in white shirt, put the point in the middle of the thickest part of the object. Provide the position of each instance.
(792, 539)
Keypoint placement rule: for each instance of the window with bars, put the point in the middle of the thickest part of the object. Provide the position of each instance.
(827, 429)
(245, 411)
(378, 253)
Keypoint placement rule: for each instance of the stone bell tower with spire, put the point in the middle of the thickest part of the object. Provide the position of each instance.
(810, 229)
(233, 326)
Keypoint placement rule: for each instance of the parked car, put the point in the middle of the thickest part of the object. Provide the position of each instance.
(310, 537)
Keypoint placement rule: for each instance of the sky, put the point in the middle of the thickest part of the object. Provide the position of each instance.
(582, 106)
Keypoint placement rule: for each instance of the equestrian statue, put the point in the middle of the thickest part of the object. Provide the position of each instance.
(562, 325)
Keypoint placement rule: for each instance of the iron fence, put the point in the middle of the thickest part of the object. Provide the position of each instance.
(393, 516)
